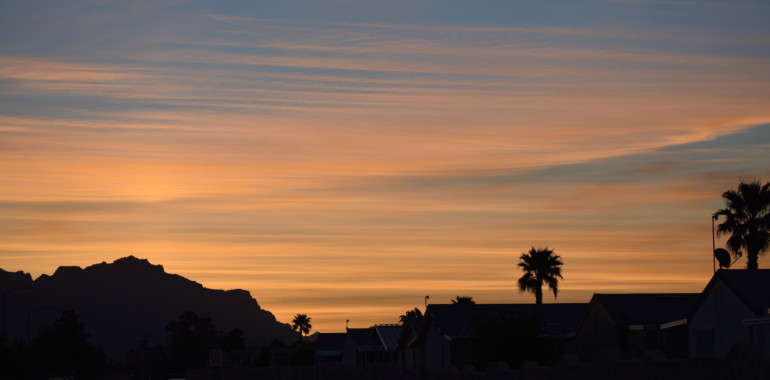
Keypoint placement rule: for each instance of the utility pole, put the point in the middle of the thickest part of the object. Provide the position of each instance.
(713, 242)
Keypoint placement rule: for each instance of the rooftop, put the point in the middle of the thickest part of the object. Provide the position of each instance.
(647, 309)
(557, 319)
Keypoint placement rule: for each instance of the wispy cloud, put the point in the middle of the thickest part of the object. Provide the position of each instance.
(307, 159)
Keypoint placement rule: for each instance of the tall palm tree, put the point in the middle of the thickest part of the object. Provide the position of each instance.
(540, 266)
(747, 220)
(301, 324)
(463, 300)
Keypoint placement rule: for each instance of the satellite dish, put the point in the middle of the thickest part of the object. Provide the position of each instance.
(723, 257)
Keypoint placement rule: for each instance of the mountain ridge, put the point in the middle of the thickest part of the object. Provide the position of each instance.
(123, 301)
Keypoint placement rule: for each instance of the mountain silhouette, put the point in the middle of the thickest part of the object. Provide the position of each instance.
(122, 302)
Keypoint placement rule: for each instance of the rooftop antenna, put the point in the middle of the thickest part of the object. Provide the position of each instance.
(714, 244)
(346, 324)
(426, 301)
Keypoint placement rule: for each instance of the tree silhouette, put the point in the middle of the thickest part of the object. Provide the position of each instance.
(463, 300)
(411, 314)
(301, 324)
(191, 337)
(747, 220)
(65, 349)
(540, 266)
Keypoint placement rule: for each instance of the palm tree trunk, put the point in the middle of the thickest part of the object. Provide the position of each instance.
(751, 260)
(539, 295)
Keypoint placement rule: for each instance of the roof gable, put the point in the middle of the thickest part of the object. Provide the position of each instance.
(409, 332)
(364, 339)
(751, 286)
(388, 335)
(376, 338)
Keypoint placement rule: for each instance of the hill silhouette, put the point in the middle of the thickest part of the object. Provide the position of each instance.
(122, 302)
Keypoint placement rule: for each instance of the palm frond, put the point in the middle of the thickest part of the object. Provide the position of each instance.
(541, 266)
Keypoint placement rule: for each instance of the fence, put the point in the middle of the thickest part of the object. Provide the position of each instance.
(736, 368)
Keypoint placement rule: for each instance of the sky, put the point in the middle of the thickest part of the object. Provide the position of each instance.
(346, 158)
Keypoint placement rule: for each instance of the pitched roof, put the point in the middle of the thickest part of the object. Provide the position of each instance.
(365, 339)
(330, 340)
(752, 286)
(647, 309)
(409, 331)
(456, 320)
(388, 335)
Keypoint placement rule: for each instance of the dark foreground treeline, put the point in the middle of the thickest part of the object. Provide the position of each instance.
(59, 350)
(64, 350)
(193, 342)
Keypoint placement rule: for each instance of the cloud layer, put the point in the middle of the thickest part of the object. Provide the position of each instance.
(347, 164)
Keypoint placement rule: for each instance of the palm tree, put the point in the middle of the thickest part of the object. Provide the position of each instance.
(301, 324)
(540, 266)
(747, 220)
(460, 300)
(415, 314)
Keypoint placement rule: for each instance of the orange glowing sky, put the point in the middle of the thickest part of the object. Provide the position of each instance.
(346, 158)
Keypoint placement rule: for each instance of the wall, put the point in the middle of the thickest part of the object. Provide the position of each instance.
(597, 331)
(716, 324)
(435, 350)
(349, 352)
